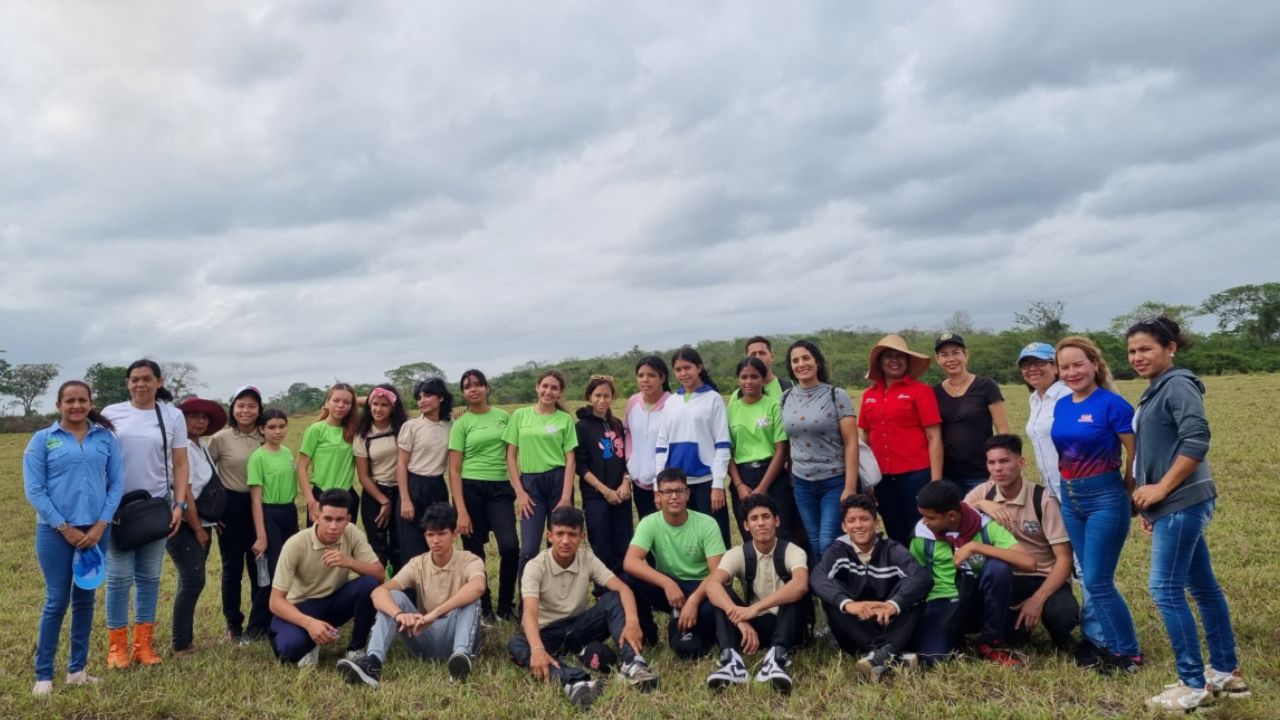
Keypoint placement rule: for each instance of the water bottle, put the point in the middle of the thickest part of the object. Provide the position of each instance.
(264, 573)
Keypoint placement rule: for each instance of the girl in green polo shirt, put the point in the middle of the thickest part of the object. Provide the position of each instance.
(759, 447)
(273, 488)
(540, 444)
(326, 460)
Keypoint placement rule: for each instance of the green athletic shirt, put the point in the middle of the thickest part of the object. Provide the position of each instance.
(543, 441)
(680, 551)
(755, 429)
(479, 439)
(333, 461)
(276, 473)
(944, 570)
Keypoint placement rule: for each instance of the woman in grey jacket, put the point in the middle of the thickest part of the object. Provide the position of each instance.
(1175, 495)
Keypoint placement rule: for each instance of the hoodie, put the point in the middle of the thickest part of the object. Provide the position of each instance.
(892, 575)
(1170, 422)
(600, 451)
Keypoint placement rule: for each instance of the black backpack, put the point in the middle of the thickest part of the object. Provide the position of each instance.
(751, 560)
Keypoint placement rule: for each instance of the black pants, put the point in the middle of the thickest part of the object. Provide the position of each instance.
(608, 529)
(644, 501)
(858, 637)
(353, 504)
(603, 620)
(781, 630)
(700, 500)
(280, 520)
(234, 547)
(383, 540)
(982, 606)
(791, 528)
(1060, 617)
(424, 491)
(189, 560)
(491, 505)
(690, 645)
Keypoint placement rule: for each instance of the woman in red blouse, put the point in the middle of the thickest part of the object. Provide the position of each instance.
(899, 419)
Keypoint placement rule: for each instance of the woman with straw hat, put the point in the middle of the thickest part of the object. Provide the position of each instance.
(899, 419)
(189, 547)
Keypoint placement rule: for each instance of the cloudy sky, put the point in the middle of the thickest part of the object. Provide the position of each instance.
(310, 190)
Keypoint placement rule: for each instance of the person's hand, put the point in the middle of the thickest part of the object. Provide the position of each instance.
(675, 596)
(964, 553)
(406, 508)
(313, 510)
(848, 492)
(565, 501)
(743, 614)
(93, 537)
(632, 636)
(996, 511)
(334, 558)
(321, 632)
(1029, 613)
(175, 521)
(1147, 527)
(750, 640)
(863, 610)
(541, 662)
(384, 515)
(742, 491)
(717, 500)
(73, 535)
(464, 522)
(610, 496)
(624, 490)
(407, 622)
(259, 547)
(884, 612)
(1149, 495)
(524, 504)
(202, 537)
(688, 615)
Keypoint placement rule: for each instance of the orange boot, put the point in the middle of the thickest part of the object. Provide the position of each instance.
(143, 654)
(118, 647)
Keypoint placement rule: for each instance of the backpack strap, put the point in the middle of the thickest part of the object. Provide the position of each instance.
(749, 561)
(929, 544)
(1037, 497)
(991, 493)
(164, 450)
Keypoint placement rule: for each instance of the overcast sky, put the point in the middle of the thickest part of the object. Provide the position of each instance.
(311, 190)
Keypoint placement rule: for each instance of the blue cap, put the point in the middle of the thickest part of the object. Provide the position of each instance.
(1037, 350)
(88, 568)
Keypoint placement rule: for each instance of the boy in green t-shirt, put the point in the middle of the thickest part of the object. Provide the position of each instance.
(686, 547)
(972, 560)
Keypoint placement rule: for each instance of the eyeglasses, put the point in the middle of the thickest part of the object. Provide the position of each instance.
(606, 378)
(671, 492)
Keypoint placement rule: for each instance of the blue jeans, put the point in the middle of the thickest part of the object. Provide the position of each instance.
(457, 631)
(56, 556)
(129, 568)
(1095, 511)
(819, 504)
(896, 496)
(1180, 565)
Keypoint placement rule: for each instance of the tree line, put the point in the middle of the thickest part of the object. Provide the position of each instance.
(1245, 341)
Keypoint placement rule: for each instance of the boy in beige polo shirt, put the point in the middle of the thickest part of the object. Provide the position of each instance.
(1044, 596)
(445, 620)
(313, 593)
(555, 587)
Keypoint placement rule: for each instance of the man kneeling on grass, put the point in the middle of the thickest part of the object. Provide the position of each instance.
(775, 580)
(972, 559)
(556, 619)
(872, 590)
(313, 593)
(445, 620)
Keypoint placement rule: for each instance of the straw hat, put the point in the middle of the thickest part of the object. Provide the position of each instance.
(917, 363)
(217, 416)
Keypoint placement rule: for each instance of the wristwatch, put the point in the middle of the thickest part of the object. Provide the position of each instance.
(61, 526)
(183, 506)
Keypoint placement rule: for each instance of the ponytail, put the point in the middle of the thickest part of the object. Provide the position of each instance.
(100, 419)
(705, 377)
(163, 394)
(689, 355)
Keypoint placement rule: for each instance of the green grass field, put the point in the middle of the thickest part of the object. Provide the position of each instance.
(221, 681)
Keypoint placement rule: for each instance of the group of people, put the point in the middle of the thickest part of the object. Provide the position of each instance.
(969, 545)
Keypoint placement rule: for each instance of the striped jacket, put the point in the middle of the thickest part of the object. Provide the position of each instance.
(892, 575)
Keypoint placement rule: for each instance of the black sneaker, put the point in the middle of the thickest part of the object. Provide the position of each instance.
(459, 667)
(874, 664)
(1087, 654)
(583, 694)
(365, 669)
(1110, 664)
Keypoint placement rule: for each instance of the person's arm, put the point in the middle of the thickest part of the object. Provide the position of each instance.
(304, 485)
(1031, 609)
(181, 487)
(35, 481)
(631, 633)
(977, 500)
(540, 661)
(455, 489)
(1186, 406)
(524, 503)
(776, 464)
(321, 632)
(259, 521)
(716, 592)
(1014, 555)
(849, 438)
(1126, 439)
(635, 566)
(364, 474)
(723, 445)
(999, 418)
(689, 612)
(933, 433)
(566, 493)
(1181, 469)
(334, 557)
(467, 594)
(794, 589)
(402, 483)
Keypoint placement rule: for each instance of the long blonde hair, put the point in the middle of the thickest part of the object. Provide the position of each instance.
(1091, 352)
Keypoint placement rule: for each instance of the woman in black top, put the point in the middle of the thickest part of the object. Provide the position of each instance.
(970, 406)
(602, 471)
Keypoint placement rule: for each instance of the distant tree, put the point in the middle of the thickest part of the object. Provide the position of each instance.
(181, 378)
(108, 383)
(1181, 314)
(27, 382)
(1251, 310)
(407, 376)
(299, 398)
(960, 322)
(1044, 317)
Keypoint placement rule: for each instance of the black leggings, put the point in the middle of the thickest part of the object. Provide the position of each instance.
(491, 505)
(234, 546)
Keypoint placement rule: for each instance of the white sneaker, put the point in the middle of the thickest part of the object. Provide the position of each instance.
(1179, 698)
(773, 671)
(639, 675)
(732, 671)
(81, 677)
(583, 694)
(1226, 684)
(42, 688)
(311, 659)
(354, 655)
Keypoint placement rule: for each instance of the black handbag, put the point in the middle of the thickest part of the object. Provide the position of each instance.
(141, 519)
(212, 502)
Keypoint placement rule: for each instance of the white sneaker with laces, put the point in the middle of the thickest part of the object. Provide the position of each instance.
(43, 688)
(354, 655)
(639, 675)
(81, 677)
(773, 671)
(1179, 698)
(311, 659)
(732, 671)
(1226, 684)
